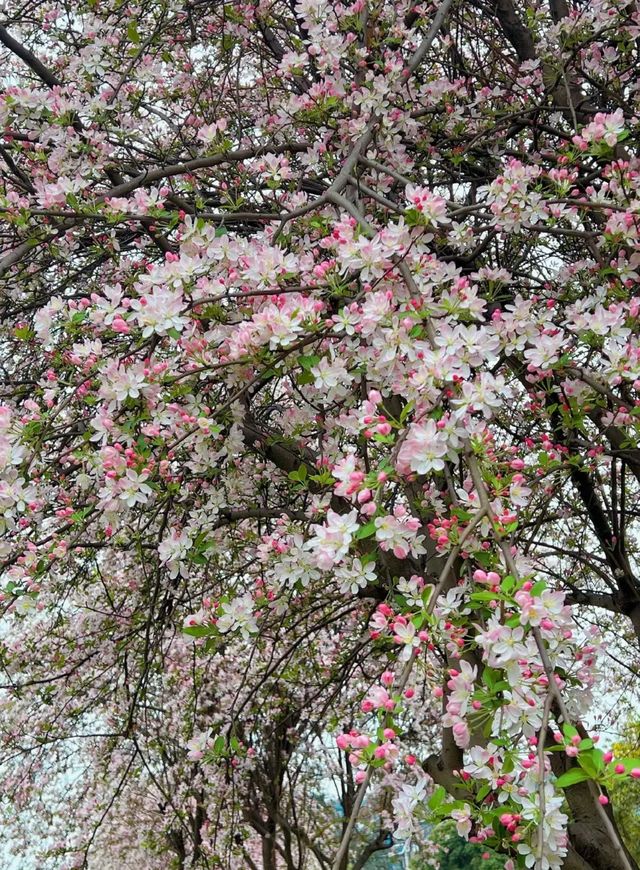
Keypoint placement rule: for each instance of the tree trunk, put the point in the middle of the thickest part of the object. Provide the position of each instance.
(591, 846)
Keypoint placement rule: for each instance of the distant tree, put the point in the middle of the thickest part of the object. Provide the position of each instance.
(625, 793)
(456, 853)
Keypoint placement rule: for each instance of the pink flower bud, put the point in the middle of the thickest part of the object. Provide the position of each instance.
(604, 800)
(619, 768)
(461, 731)
(119, 325)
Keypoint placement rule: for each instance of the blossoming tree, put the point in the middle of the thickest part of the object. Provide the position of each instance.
(320, 391)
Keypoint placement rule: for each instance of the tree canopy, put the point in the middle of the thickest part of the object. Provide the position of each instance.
(320, 391)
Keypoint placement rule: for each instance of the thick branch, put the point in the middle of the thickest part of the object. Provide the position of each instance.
(43, 73)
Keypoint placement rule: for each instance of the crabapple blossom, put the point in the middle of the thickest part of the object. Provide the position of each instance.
(319, 430)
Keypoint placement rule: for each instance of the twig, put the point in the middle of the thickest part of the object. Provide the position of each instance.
(554, 690)
(425, 45)
(541, 774)
(402, 682)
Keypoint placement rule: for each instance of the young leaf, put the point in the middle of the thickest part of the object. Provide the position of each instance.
(571, 777)
(366, 531)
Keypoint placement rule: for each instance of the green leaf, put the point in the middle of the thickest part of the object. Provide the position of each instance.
(319, 223)
(408, 408)
(539, 587)
(437, 798)
(571, 777)
(586, 762)
(132, 33)
(228, 42)
(384, 439)
(366, 531)
(627, 763)
(308, 362)
(507, 584)
(197, 630)
(484, 791)
(210, 645)
(300, 475)
(324, 479)
(486, 596)
(489, 677)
